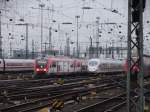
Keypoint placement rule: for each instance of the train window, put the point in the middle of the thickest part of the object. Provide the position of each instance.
(64, 63)
(78, 65)
(72, 65)
(93, 63)
(41, 63)
(54, 64)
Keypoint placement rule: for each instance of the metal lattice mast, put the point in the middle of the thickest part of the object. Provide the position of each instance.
(97, 37)
(27, 43)
(27, 49)
(135, 48)
(0, 36)
(41, 8)
(77, 17)
(50, 39)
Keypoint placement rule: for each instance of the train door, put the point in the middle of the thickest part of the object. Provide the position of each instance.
(65, 66)
(78, 66)
(74, 65)
(53, 67)
(71, 67)
(68, 65)
(60, 66)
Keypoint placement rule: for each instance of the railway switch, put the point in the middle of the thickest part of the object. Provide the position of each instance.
(60, 81)
(57, 104)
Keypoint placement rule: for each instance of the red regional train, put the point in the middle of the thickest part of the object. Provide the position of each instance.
(45, 67)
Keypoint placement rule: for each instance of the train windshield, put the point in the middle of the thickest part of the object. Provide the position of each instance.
(93, 63)
(41, 63)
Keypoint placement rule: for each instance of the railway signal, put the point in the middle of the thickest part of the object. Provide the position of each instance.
(136, 10)
(135, 26)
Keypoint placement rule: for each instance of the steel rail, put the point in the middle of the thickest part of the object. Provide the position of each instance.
(32, 105)
(102, 105)
(29, 93)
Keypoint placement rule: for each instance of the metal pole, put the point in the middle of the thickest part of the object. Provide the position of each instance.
(91, 42)
(45, 47)
(77, 36)
(10, 48)
(121, 48)
(90, 48)
(129, 56)
(106, 51)
(74, 49)
(41, 5)
(26, 40)
(32, 49)
(27, 37)
(112, 49)
(141, 73)
(50, 38)
(67, 45)
(97, 40)
(41, 28)
(0, 36)
(135, 28)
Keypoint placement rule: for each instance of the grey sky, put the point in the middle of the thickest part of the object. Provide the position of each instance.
(65, 11)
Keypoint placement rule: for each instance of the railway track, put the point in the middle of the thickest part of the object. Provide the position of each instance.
(36, 104)
(108, 105)
(19, 93)
(36, 92)
(16, 85)
(10, 86)
(65, 95)
(11, 76)
(41, 96)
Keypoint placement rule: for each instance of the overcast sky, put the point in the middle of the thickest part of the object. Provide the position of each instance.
(65, 11)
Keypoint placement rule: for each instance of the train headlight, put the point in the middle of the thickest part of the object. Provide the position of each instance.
(37, 69)
(45, 69)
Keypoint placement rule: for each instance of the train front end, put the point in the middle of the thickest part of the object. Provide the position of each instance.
(93, 65)
(41, 68)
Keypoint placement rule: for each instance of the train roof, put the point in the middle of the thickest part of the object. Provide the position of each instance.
(145, 55)
(106, 60)
(20, 60)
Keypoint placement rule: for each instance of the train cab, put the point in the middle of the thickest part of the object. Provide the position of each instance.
(41, 66)
(93, 65)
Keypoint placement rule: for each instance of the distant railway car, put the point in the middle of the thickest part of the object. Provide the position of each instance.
(58, 66)
(16, 65)
(96, 65)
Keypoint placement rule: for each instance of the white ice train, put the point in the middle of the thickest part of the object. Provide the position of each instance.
(97, 65)
(16, 65)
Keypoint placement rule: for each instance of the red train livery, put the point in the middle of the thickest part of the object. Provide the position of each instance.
(58, 66)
